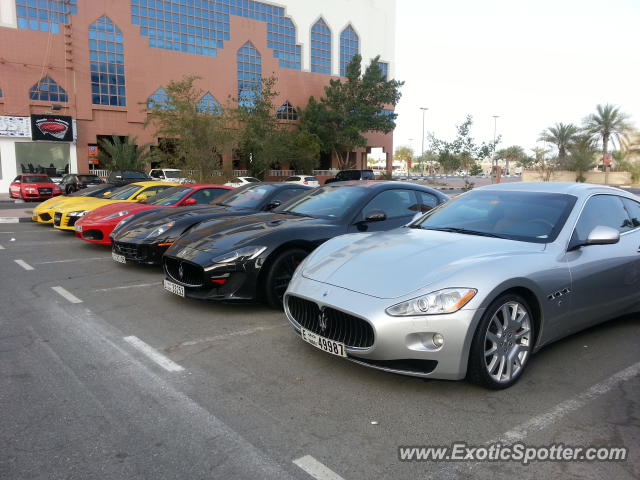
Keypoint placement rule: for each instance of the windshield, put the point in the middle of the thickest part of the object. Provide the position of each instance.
(251, 179)
(525, 216)
(325, 202)
(123, 193)
(36, 179)
(170, 196)
(248, 197)
(172, 173)
(97, 191)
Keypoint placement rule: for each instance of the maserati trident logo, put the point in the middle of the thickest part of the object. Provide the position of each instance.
(181, 271)
(322, 320)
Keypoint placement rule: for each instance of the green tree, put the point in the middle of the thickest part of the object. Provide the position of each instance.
(303, 150)
(582, 155)
(510, 155)
(403, 154)
(118, 154)
(350, 108)
(562, 135)
(608, 124)
(200, 138)
(542, 162)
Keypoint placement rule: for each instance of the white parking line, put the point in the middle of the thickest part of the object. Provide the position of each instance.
(539, 422)
(124, 287)
(1, 247)
(24, 264)
(153, 354)
(66, 294)
(74, 260)
(224, 336)
(316, 469)
(9, 220)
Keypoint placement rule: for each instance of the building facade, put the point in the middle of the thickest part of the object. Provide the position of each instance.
(98, 63)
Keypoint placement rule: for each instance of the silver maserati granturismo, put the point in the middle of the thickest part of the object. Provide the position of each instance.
(474, 287)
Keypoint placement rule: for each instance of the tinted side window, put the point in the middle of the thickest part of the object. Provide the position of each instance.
(602, 210)
(207, 195)
(288, 194)
(394, 203)
(368, 176)
(633, 209)
(427, 201)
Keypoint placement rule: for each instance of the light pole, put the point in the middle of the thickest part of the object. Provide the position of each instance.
(424, 110)
(411, 147)
(495, 158)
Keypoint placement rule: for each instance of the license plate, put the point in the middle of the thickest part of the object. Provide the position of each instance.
(79, 229)
(324, 344)
(118, 258)
(174, 288)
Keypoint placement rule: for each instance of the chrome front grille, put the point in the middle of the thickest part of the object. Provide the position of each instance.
(183, 272)
(339, 326)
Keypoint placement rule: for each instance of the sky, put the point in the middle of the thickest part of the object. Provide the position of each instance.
(532, 63)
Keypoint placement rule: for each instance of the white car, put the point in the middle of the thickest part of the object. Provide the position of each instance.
(303, 180)
(168, 175)
(240, 181)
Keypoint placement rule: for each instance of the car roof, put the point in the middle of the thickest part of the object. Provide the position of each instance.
(34, 175)
(205, 185)
(153, 183)
(570, 188)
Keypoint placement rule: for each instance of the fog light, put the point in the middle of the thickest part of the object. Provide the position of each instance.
(438, 339)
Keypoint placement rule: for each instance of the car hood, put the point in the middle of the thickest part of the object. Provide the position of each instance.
(138, 228)
(100, 213)
(395, 263)
(86, 203)
(228, 234)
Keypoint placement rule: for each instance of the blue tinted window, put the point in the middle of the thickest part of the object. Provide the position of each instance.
(159, 99)
(320, 48)
(349, 46)
(208, 104)
(48, 90)
(106, 64)
(202, 26)
(249, 75)
(384, 68)
(44, 15)
(287, 112)
(1, 94)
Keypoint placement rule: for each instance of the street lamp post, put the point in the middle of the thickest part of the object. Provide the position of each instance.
(424, 110)
(495, 158)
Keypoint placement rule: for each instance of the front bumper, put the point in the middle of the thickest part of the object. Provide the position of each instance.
(42, 216)
(240, 280)
(145, 253)
(63, 221)
(402, 345)
(96, 233)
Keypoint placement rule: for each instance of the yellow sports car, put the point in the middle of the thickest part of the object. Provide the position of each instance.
(65, 216)
(43, 213)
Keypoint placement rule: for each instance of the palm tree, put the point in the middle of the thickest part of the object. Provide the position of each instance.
(607, 124)
(510, 154)
(581, 155)
(562, 135)
(118, 154)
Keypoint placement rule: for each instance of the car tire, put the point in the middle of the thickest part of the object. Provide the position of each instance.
(68, 190)
(279, 275)
(500, 350)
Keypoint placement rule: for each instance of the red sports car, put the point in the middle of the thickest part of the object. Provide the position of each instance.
(33, 186)
(96, 226)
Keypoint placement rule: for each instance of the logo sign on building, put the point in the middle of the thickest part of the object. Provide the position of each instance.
(15, 127)
(52, 128)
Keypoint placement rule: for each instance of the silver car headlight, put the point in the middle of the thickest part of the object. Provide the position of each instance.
(156, 232)
(121, 213)
(448, 300)
(240, 255)
(79, 213)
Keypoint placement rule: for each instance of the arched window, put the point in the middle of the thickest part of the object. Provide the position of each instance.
(321, 48)
(349, 46)
(384, 68)
(158, 99)
(249, 75)
(287, 112)
(208, 104)
(44, 15)
(48, 90)
(1, 94)
(106, 58)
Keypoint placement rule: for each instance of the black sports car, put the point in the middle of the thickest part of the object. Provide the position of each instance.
(143, 237)
(254, 256)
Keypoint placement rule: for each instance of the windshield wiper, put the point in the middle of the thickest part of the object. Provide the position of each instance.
(465, 231)
(289, 212)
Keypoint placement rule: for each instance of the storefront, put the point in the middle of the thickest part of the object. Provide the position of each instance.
(36, 144)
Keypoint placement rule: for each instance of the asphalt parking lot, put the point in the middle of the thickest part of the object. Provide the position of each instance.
(105, 375)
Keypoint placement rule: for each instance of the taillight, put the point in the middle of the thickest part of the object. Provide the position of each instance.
(219, 281)
(306, 183)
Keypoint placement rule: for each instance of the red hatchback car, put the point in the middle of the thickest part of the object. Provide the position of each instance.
(33, 186)
(96, 225)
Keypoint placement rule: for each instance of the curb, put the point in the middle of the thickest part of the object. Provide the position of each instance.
(15, 219)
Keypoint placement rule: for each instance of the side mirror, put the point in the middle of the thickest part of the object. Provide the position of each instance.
(142, 197)
(189, 201)
(602, 235)
(376, 216)
(161, 176)
(17, 181)
(274, 204)
(119, 177)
